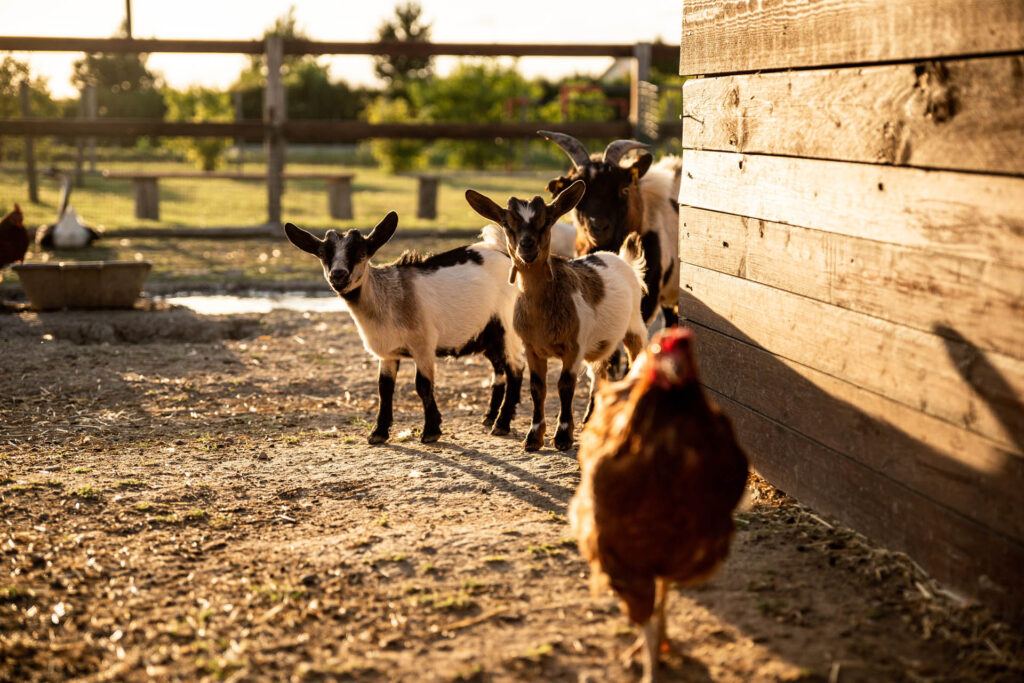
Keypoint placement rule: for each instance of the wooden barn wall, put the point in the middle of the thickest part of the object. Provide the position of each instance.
(852, 247)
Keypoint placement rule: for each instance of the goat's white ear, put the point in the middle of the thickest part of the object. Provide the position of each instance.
(380, 235)
(302, 239)
(486, 207)
(567, 199)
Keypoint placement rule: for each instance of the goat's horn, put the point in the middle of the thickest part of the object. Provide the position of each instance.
(570, 145)
(614, 151)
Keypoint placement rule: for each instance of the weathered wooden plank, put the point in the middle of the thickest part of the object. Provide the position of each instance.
(967, 214)
(960, 115)
(962, 471)
(955, 550)
(903, 285)
(729, 37)
(950, 380)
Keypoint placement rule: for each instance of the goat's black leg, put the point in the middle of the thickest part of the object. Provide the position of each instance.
(513, 386)
(671, 316)
(497, 388)
(538, 392)
(431, 415)
(386, 392)
(651, 244)
(566, 390)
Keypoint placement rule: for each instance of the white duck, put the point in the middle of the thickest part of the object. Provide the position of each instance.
(68, 232)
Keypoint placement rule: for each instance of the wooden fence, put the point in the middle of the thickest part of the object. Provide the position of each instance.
(852, 239)
(276, 130)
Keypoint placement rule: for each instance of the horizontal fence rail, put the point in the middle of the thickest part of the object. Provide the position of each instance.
(660, 51)
(320, 131)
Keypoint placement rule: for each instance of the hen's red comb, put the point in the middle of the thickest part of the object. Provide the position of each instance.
(669, 338)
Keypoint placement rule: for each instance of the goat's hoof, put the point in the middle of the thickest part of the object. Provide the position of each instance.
(430, 437)
(533, 444)
(377, 437)
(500, 430)
(563, 442)
(488, 420)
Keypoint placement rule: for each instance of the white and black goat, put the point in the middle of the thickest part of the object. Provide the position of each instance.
(455, 303)
(620, 200)
(575, 310)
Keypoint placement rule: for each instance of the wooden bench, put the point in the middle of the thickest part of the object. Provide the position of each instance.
(147, 196)
(426, 194)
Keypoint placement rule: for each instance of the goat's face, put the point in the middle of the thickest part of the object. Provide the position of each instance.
(344, 258)
(527, 223)
(603, 213)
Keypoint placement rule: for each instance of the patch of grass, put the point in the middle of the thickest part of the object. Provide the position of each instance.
(14, 594)
(383, 521)
(196, 515)
(428, 568)
(348, 439)
(87, 492)
(166, 519)
(81, 470)
(495, 559)
(144, 506)
(545, 549)
(275, 593)
(224, 521)
(131, 484)
(567, 542)
(542, 650)
(555, 517)
(454, 603)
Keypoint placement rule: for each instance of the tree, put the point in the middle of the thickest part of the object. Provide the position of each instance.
(200, 104)
(397, 70)
(124, 86)
(12, 73)
(286, 26)
(478, 91)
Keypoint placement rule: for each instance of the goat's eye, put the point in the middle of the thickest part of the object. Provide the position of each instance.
(624, 191)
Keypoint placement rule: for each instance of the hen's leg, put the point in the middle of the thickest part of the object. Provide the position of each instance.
(660, 600)
(650, 638)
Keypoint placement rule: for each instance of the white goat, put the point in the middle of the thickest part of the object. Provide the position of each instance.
(576, 310)
(455, 303)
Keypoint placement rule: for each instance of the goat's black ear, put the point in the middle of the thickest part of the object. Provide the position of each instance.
(302, 239)
(380, 235)
(568, 198)
(486, 207)
(641, 166)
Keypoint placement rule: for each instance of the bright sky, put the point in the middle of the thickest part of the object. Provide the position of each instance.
(470, 21)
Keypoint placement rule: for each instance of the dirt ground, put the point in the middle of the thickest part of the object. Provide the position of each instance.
(193, 498)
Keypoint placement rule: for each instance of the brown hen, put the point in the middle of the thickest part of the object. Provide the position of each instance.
(661, 473)
(13, 238)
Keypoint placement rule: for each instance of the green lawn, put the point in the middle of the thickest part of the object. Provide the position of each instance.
(217, 203)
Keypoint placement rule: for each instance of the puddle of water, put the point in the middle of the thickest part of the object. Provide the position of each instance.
(224, 304)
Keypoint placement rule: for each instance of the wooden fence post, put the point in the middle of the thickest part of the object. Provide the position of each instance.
(91, 110)
(274, 116)
(640, 74)
(80, 143)
(30, 150)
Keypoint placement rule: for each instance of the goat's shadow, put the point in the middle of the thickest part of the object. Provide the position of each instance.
(530, 488)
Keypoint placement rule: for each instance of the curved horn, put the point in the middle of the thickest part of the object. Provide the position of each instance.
(570, 145)
(614, 151)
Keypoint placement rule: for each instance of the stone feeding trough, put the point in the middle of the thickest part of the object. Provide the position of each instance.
(84, 284)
